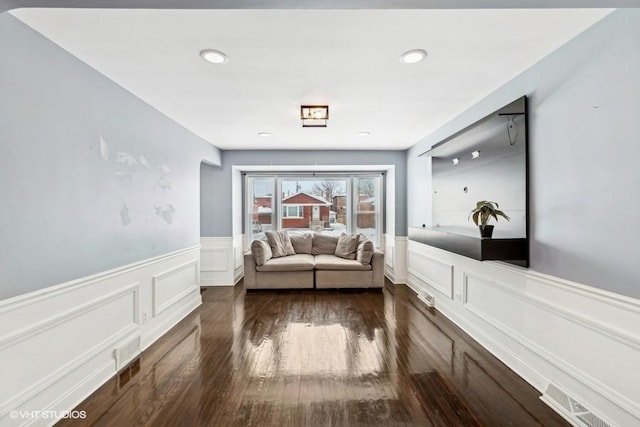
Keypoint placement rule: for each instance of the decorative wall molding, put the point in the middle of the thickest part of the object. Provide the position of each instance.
(30, 298)
(389, 257)
(578, 289)
(549, 330)
(172, 285)
(432, 271)
(86, 386)
(631, 339)
(67, 316)
(170, 319)
(238, 252)
(221, 260)
(80, 323)
(395, 259)
(552, 311)
(11, 344)
(214, 259)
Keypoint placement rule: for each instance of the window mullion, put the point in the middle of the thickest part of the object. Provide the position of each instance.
(350, 197)
(278, 203)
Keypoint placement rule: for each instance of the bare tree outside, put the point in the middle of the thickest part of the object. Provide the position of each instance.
(327, 189)
(367, 187)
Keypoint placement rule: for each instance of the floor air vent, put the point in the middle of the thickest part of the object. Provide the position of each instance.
(426, 298)
(126, 352)
(571, 409)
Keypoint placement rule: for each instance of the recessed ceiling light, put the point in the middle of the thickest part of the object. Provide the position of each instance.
(456, 161)
(475, 154)
(412, 56)
(363, 133)
(264, 134)
(214, 56)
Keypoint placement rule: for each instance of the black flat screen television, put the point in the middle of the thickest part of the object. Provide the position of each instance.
(485, 161)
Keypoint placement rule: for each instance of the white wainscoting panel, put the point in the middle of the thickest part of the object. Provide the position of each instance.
(389, 256)
(554, 333)
(57, 344)
(238, 252)
(214, 259)
(428, 270)
(221, 260)
(172, 285)
(395, 258)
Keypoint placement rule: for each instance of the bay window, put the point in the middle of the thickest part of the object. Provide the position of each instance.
(323, 203)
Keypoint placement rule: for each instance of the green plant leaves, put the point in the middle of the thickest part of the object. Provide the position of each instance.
(475, 217)
(485, 210)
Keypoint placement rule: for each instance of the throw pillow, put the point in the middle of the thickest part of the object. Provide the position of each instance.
(280, 243)
(261, 251)
(365, 251)
(324, 244)
(302, 242)
(347, 246)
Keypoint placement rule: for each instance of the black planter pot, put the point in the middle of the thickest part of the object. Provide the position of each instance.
(486, 230)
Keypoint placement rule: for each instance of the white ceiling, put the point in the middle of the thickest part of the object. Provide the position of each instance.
(280, 59)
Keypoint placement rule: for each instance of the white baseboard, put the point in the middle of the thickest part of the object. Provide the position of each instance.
(221, 260)
(57, 344)
(548, 330)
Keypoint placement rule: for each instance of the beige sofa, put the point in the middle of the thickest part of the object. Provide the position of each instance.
(318, 267)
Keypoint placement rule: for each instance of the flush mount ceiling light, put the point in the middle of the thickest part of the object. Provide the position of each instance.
(214, 56)
(314, 116)
(456, 161)
(412, 56)
(475, 154)
(363, 133)
(264, 134)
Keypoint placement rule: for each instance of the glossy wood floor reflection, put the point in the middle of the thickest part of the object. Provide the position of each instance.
(317, 358)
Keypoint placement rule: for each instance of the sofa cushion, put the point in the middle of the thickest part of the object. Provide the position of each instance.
(365, 250)
(332, 262)
(300, 262)
(280, 243)
(261, 251)
(324, 244)
(347, 246)
(302, 242)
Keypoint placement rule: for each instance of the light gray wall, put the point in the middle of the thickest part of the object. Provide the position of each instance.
(209, 198)
(220, 222)
(91, 178)
(584, 146)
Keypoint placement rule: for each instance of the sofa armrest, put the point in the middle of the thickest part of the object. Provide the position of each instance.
(249, 271)
(377, 266)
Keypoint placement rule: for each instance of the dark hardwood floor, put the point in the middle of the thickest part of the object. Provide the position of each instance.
(316, 358)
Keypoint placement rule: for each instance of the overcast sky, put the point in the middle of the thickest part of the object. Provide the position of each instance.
(263, 186)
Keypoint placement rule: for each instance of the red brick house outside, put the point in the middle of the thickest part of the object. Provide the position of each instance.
(262, 209)
(263, 201)
(303, 210)
(339, 206)
(366, 215)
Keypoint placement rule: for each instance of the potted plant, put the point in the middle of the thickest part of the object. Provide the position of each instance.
(482, 213)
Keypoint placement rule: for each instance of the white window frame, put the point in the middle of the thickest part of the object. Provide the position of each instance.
(352, 200)
(285, 211)
(355, 203)
(248, 204)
